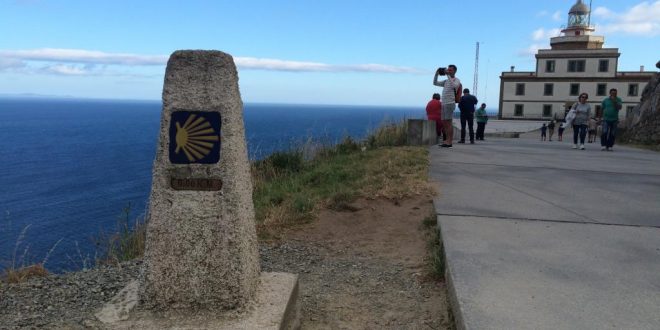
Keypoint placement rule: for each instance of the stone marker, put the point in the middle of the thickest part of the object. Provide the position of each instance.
(201, 246)
(201, 263)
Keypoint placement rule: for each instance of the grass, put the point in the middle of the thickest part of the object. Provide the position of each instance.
(126, 243)
(435, 248)
(21, 268)
(290, 189)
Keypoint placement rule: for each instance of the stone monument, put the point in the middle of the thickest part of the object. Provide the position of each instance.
(201, 256)
(201, 231)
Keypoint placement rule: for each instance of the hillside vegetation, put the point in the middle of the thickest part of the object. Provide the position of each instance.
(291, 187)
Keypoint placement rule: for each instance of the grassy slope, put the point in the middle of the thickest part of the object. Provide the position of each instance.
(290, 187)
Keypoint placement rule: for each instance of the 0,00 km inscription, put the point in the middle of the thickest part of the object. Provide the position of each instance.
(202, 184)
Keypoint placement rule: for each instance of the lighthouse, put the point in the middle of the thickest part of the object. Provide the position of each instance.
(578, 32)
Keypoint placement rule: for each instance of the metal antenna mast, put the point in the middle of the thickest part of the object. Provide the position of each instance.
(475, 85)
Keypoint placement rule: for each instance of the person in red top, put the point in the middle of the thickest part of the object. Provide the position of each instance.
(433, 111)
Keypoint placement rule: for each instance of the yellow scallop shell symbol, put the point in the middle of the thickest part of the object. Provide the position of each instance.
(195, 138)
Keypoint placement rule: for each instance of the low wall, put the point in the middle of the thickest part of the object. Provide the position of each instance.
(421, 132)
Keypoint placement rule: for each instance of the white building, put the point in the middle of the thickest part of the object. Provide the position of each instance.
(576, 63)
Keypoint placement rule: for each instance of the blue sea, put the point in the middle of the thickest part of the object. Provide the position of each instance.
(68, 168)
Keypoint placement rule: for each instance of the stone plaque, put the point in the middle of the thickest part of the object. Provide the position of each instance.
(194, 137)
(201, 184)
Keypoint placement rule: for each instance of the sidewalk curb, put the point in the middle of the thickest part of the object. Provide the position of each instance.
(456, 312)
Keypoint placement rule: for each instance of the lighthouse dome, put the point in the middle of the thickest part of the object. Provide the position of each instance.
(579, 9)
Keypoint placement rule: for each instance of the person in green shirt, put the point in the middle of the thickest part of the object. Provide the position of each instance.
(482, 119)
(611, 107)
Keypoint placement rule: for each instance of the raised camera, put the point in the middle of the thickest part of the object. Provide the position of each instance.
(442, 71)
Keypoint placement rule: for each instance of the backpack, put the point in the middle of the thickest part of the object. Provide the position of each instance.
(458, 93)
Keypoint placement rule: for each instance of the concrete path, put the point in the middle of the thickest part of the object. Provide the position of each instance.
(541, 236)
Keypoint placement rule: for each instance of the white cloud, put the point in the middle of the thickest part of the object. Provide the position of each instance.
(281, 65)
(602, 12)
(77, 57)
(83, 56)
(642, 19)
(542, 34)
(541, 40)
(531, 50)
(557, 16)
(66, 70)
(11, 63)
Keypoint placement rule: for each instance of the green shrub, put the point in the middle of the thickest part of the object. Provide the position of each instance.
(126, 243)
(347, 146)
(291, 161)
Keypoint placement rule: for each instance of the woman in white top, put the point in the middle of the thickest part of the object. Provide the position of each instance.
(582, 115)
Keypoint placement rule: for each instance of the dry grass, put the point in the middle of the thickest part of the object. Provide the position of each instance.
(23, 274)
(21, 268)
(397, 173)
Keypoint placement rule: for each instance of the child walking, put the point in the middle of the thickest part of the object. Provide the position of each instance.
(543, 130)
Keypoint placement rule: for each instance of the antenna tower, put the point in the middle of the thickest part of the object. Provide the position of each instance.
(476, 72)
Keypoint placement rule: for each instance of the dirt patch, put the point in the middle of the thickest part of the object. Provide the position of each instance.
(365, 267)
(361, 268)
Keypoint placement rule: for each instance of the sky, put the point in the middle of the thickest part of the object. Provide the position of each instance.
(344, 52)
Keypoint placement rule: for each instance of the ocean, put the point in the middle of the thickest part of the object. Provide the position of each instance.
(70, 167)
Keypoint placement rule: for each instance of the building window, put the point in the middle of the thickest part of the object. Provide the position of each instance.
(603, 65)
(576, 65)
(547, 110)
(601, 89)
(599, 111)
(520, 89)
(550, 66)
(548, 89)
(633, 89)
(575, 90)
(629, 110)
(518, 110)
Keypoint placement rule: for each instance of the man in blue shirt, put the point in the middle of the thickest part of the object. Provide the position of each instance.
(466, 105)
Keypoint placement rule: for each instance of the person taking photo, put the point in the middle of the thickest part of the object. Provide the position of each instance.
(451, 94)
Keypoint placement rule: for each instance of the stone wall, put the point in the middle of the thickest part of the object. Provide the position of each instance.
(643, 126)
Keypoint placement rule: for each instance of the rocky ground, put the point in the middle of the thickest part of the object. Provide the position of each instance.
(364, 268)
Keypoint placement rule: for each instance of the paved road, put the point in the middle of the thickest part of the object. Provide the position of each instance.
(540, 236)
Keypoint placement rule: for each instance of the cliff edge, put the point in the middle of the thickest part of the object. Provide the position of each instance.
(643, 126)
